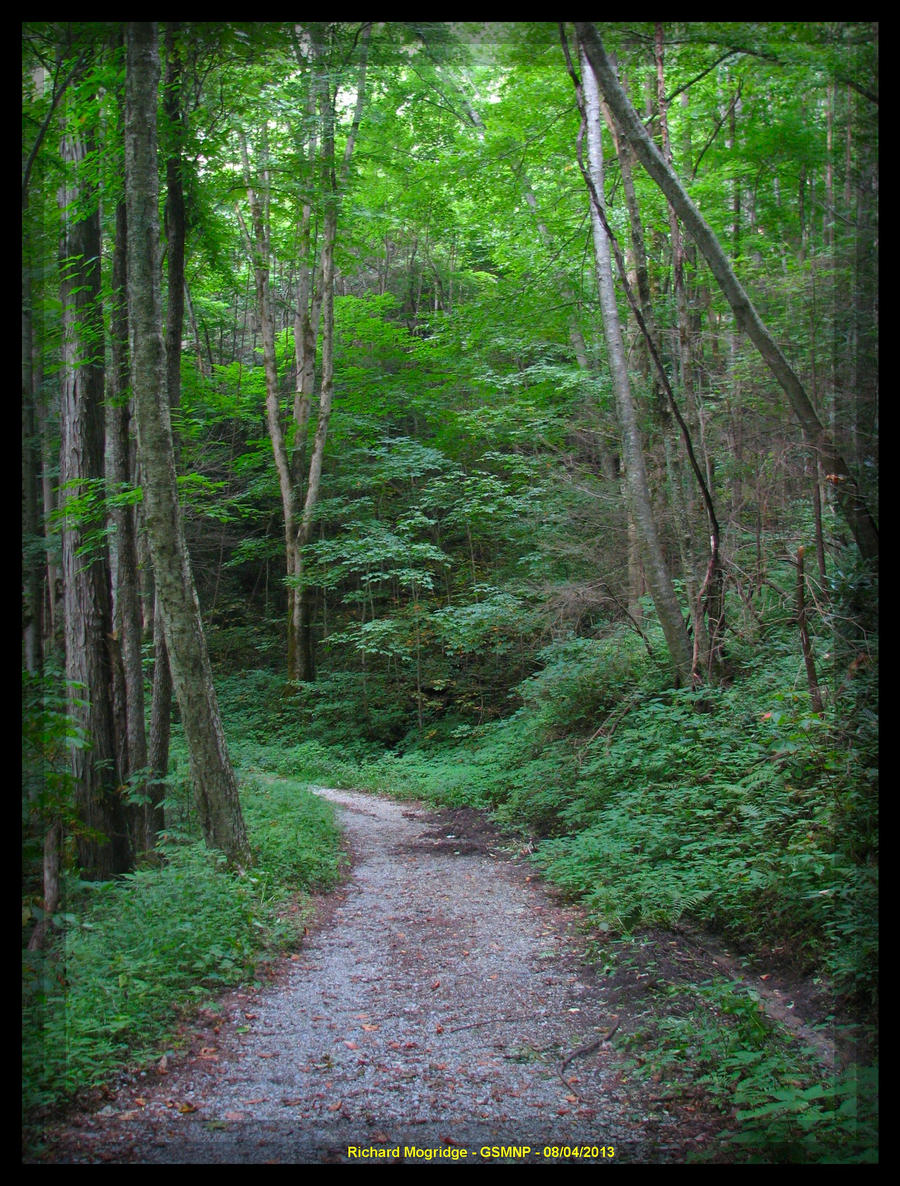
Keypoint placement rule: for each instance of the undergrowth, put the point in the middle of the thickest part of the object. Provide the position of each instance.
(736, 807)
(782, 1103)
(132, 957)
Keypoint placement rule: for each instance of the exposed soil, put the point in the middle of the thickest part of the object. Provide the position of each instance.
(440, 1004)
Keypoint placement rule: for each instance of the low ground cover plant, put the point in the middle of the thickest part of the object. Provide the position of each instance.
(130, 958)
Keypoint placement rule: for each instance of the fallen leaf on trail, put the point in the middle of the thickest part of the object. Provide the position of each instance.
(369, 1028)
(435, 984)
(379, 1138)
(270, 1055)
(186, 1107)
(235, 1115)
(262, 1099)
(438, 1029)
(251, 1016)
(336, 1107)
(351, 1045)
(361, 1016)
(140, 1101)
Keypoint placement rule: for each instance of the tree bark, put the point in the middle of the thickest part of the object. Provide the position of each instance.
(176, 235)
(849, 498)
(127, 605)
(104, 848)
(32, 582)
(215, 786)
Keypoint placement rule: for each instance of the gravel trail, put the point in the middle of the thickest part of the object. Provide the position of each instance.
(431, 1013)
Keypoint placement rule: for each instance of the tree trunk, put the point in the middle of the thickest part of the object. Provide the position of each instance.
(161, 698)
(160, 712)
(315, 302)
(852, 505)
(127, 606)
(215, 786)
(32, 582)
(104, 848)
(656, 571)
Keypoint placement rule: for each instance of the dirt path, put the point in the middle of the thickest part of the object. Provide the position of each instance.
(430, 1013)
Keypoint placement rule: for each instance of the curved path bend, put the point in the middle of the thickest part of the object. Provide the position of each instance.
(431, 1013)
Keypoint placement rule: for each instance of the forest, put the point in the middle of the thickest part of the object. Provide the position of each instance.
(477, 413)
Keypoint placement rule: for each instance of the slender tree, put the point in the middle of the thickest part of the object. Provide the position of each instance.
(855, 511)
(214, 781)
(176, 233)
(656, 570)
(104, 849)
(315, 305)
(127, 610)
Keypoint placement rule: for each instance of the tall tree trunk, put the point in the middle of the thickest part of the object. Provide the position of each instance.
(694, 561)
(315, 303)
(127, 603)
(104, 848)
(215, 786)
(176, 234)
(32, 583)
(656, 571)
(160, 712)
(335, 180)
(853, 507)
(258, 244)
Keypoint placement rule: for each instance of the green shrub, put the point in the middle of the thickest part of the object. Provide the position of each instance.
(734, 822)
(295, 839)
(785, 1105)
(131, 950)
(137, 952)
(582, 680)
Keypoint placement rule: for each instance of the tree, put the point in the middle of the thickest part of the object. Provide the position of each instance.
(147, 817)
(655, 568)
(104, 848)
(854, 508)
(215, 786)
(314, 301)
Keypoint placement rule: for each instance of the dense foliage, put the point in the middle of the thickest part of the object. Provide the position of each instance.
(134, 956)
(472, 581)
